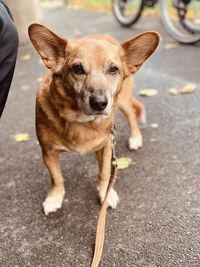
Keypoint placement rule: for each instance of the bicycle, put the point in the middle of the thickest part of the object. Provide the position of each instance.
(178, 16)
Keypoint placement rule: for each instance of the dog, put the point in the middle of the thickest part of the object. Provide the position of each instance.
(87, 80)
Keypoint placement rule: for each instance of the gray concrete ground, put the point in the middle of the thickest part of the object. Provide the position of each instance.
(158, 220)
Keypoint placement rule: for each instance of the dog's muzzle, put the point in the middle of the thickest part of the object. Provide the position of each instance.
(98, 102)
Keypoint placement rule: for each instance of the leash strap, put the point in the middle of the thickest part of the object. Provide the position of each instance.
(100, 233)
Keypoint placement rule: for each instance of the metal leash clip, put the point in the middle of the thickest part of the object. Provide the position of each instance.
(113, 135)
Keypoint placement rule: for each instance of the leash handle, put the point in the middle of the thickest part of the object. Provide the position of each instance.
(100, 233)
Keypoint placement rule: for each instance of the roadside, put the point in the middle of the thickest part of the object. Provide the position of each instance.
(157, 221)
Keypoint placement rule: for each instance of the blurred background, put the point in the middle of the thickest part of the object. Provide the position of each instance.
(157, 221)
(181, 18)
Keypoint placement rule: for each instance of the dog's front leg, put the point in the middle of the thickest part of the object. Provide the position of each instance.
(57, 191)
(104, 160)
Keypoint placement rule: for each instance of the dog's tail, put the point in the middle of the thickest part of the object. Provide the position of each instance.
(140, 110)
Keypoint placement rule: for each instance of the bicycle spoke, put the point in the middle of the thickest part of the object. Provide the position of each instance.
(180, 19)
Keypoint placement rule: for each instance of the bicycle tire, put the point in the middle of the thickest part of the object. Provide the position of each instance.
(184, 38)
(126, 22)
(186, 23)
(190, 27)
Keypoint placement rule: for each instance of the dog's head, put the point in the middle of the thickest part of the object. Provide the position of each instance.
(92, 69)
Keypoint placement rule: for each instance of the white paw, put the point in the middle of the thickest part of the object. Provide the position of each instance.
(135, 143)
(113, 198)
(52, 204)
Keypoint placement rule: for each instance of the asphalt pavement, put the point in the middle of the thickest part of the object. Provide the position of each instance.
(157, 222)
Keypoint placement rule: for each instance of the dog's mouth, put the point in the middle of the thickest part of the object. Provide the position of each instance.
(98, 113)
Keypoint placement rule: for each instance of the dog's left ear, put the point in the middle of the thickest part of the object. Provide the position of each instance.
(139, 49)
(50, 46)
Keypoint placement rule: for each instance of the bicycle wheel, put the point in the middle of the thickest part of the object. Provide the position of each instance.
(189, 15)
(172, 22)
(127, 12)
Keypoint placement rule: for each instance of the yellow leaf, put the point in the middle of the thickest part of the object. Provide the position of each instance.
(148, 92)
(25, 57)
(173, 91)
(172, 45)
(123, 163)
(22, 137)
(188, 88)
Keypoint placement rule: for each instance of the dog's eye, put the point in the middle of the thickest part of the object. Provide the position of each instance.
(113, 70)
(78, 69)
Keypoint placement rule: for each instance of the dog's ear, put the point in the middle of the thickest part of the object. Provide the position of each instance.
(137, 50)
(50, 47)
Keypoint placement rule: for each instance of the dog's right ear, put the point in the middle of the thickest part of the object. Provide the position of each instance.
(50, 47)
(137, 50)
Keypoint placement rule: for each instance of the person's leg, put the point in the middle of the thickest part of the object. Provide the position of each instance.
(8, 53)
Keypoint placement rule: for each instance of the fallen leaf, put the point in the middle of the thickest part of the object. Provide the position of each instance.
(171, 45)
(22, 137)
(154, 125)
(173, 91)
(188, 88)
(148, 92)
(123, 163)
(25, 57)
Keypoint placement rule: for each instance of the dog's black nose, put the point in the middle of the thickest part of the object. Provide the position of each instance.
(98, 102)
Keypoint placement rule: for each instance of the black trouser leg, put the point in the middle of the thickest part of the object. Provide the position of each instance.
(8, 53)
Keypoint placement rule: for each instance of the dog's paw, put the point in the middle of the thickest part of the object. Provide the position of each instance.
(52, 204)
(134, 143)
(113, 198)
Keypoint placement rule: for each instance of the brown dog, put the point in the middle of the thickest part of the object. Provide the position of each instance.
(77, 99)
